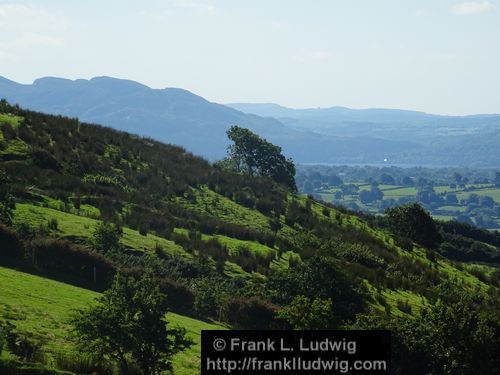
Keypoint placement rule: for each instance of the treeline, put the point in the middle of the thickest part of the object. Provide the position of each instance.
(316, 176)
(464, 242)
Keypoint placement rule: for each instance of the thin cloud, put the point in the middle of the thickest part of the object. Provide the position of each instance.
(469, 8)
(19, 17)
(24, 28)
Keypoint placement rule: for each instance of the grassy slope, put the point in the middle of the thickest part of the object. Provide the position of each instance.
(42, 307)
(72, 225)
(82, 226)
(211, 203)
(392, 297)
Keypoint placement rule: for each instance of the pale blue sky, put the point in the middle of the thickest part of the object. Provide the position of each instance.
(440, 56)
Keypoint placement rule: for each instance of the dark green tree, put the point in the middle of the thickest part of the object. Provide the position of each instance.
(413, 222)
(305, 313)
(255, 156)
(7, 203)
(106, 237)
(318, 277)
(128, 324)
(372, 195)
(449, 338)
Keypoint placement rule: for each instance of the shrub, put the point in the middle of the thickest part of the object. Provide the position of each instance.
(413, 222)
(22, 346)
(53, 224)
(249, 313)
(82, 364)
(106, 237)
(404, 306)
(180, 297)
(62, 259)
(10, 245)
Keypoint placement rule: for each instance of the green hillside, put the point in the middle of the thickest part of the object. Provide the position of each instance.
(41, 307)
(223, 246)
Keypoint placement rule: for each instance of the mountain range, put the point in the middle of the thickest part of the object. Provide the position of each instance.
(323, 135)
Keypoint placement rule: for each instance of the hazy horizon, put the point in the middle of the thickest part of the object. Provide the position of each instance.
(260, 103)
(434, 57)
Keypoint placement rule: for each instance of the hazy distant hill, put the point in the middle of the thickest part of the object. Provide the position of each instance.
(331, 135)
(443, 140)
(177, 116)
(173, 115)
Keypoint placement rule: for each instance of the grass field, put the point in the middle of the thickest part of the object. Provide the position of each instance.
(492, 192)
(446, 211)
(214, 204)
(82, 226)
(43, 307)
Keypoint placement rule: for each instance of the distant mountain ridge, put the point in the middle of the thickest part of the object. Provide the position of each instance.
(332, 135)
(442, 140)
(178, 116)
(172, 115)
(374, 115)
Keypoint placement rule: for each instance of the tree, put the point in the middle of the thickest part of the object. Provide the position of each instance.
(449, 338)
(451, 198)
(413, 222)
(487, 201)
(318, 277)
(304, 313)
(372, 195)
(7, 203)
(387, 179)
(253, 155)
(407, 181)
(128, 323)
(106, 237)
(497, 179)
(335, 180)
(453, 338)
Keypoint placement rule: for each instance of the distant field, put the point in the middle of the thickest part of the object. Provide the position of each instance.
(444, 211)
(494, 193)
(42, 307)
(398, 191)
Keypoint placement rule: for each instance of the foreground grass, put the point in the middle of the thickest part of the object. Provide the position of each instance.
(43, 307)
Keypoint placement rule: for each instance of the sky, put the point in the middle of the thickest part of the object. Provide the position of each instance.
(437, 56)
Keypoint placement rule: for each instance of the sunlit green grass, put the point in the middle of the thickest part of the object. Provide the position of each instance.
(43, 308)
(15, 147)
(14, 121)
(209, 202)
(82, 226)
